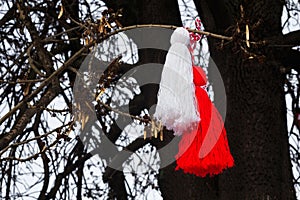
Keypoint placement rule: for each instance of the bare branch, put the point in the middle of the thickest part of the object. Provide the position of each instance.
(45, 82)
(26, 117)
(70, 167)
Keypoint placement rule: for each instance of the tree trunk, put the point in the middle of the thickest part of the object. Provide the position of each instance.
(256, 112)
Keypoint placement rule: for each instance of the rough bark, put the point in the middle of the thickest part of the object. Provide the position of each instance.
(256, 117)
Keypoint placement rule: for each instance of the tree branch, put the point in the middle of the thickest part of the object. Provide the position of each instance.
(21, 123)
(44, 157)
(70, 167)
(45, 82)
(209, 34)
(121, 157)
(8, 15)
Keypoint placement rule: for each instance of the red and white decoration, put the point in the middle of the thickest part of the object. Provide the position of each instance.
(182, 101)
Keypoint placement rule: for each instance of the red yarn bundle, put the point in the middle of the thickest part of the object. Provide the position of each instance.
(204, 151)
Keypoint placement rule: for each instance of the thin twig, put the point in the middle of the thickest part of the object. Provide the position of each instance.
(52, 37)
(33, 156)
(19, 81)
(34, 138)
(167, 27)
(122, 113)
(45, 83)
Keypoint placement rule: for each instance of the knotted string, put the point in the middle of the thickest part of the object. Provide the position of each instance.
(195, 37)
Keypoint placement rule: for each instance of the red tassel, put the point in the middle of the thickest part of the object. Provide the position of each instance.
(204, 151)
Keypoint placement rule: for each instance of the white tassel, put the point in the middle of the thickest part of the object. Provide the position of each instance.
(176, 103)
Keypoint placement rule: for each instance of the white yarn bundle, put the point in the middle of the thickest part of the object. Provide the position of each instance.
(176, 105)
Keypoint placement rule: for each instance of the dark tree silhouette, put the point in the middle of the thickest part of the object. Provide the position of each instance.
(44, 153)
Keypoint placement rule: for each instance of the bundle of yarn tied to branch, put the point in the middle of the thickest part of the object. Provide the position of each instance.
(184, 107)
